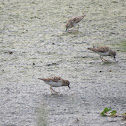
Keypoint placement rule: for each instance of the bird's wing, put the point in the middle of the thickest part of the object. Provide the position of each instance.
(54, 79)
(102, 49)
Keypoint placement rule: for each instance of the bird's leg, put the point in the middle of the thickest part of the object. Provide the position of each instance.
(78, 26)
(103, 59)
(72, 28)
(52, 90)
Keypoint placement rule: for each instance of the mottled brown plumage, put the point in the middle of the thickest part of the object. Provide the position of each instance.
(104, 51)
(55, 82)
(100, 49)
(54, 79)
(72, 22)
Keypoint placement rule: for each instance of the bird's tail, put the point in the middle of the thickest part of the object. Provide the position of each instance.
(42, 79)
(92, 49)
(83, 16)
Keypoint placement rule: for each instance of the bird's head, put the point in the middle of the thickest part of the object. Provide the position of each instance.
(66, 83)
(67, 26)
(113, 54)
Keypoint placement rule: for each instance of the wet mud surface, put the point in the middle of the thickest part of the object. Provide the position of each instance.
(33, 44)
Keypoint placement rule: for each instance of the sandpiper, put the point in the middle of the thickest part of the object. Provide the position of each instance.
(55, 82)
(72, 22)
(104, 51)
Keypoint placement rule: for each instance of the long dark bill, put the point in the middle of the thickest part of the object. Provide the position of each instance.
(115, 58)
(68, 86)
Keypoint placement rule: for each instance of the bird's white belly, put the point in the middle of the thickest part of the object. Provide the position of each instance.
(54, 84)
(103, 54)
(75, 24)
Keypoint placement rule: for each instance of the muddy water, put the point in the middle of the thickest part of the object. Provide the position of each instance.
(33, 43)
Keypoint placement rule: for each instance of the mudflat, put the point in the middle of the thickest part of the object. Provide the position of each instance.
(34, 44)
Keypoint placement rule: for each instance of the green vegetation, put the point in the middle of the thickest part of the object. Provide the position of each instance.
(42, 115)
(107, 112)
(113, 113)
(124, 116)
(123, 46)
(104, 112)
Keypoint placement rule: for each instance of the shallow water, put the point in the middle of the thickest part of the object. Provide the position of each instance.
(33, 44)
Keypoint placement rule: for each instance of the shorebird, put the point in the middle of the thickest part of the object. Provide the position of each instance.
(55, 82)
(72, 22)
(104, 51)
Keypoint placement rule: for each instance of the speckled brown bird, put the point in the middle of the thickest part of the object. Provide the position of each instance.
(72, 22)
(55, 82)
(104, 51)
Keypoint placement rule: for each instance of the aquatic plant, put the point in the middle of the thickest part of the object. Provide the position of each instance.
(107, 112)
(104, 112)
(124, 116)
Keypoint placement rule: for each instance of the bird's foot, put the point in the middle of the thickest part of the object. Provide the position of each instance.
(53, 91)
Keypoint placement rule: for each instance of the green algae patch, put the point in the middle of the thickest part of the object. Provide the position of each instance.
(42, 116)
(123, 46)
